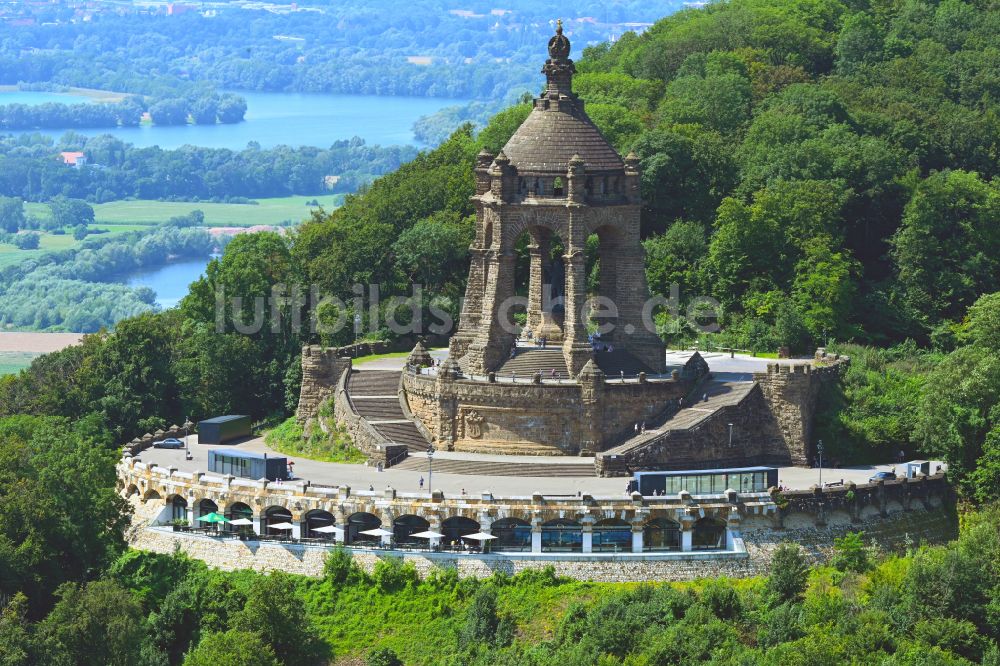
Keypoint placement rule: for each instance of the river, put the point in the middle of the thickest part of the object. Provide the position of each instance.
(273, 119)
(170, 281)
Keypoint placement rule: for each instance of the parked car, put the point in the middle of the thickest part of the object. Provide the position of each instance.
(883, 476)
(169, 443)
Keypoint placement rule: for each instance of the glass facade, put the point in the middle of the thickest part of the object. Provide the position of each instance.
(234, 465)
(563, 536)
(612, 536)
(716, 483)
(511, 535)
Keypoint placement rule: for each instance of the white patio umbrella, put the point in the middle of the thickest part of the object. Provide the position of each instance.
(479, 536)
(377, 532)
(282, 526)
(241, 521)
(326, 529)
(428, 535)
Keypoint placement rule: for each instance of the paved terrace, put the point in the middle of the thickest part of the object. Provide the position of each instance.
(736, 369)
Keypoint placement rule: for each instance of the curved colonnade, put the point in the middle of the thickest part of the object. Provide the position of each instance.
(575, 525)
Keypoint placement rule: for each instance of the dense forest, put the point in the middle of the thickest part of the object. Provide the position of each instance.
(199, 106)
(73, 290)
(30, 169)
(827, 171)
(364, 47)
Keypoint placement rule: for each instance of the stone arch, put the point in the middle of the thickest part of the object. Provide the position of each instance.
(178, 506)
(512, 534)
(318, 518)
(612, 534)
(238, 511)
(535, 222)
(456, 527)
(562, 535)
(206, 506)
(357, 523)
(130, 490)
(661, 534)
(274, 515)
(404, 527)
(150, 494)
(709, 533)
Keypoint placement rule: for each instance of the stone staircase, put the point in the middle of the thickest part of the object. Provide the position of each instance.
(529, 360)
(499, 468)
(373, 395)
(722, 396)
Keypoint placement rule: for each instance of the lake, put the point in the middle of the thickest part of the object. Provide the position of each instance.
(273, 119)
(170, 281)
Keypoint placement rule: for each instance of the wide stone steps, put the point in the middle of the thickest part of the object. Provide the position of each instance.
(402, 433)
(373, 394)
(720, 395)
(529, 360)
(373, 382)
(497, 468)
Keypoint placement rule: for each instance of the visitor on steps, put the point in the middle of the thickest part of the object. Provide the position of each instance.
(421, 483)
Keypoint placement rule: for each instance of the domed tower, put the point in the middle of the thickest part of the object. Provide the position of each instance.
(557, 179)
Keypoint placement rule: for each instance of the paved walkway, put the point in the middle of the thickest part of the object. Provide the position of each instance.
(361, 476)
(740, 368)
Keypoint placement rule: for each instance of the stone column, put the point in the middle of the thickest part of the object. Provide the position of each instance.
(687, 531)
(538, 252)
(576, 349)
(638, 534)
(258, 523)
(299, 527)
(588, 538)
(732, 528)
(191, 517)
(495, 338)
(468, 322)
(536, 536)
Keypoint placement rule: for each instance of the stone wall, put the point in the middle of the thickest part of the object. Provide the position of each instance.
(892, 515)
(545, 418)
(378, 448)
(321, 368)
(771, 425)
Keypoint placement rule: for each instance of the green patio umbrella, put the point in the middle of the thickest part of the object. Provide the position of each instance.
(213, 518)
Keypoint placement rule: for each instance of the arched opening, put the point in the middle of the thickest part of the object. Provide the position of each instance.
(178, 508)
(512, 534)
(557, 187)
(562, 535)
(661, 534)
(612, 534)
(358, 523)
(455, 528)
(709, 534)
(131, 490)
(317, 518)
(277, 515)
(150, 494)
(243, 515)
(540, 278)
(404, 527)
(203, 508)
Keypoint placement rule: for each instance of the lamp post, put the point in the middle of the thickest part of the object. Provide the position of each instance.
(430, 469)
(819, 450)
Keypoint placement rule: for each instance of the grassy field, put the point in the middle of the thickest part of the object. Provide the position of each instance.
(10, 254)
(145, 212)
(12, 362)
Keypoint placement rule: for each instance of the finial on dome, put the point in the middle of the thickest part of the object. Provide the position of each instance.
(559, 44)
